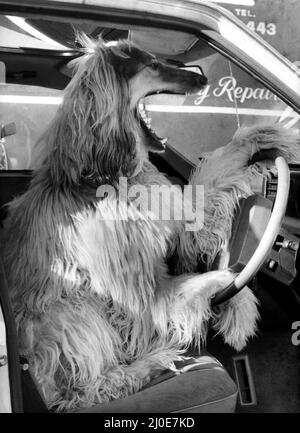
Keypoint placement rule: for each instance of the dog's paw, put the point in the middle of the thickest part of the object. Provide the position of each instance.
(283, 141)
(237, 319)
(214, 281)
(208, 284)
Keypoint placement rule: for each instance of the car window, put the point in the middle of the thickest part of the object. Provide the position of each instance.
(193, 124)
(26, 112)
(197, 124)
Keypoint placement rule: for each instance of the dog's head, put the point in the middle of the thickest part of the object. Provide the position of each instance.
(146, 76)
(98, 132)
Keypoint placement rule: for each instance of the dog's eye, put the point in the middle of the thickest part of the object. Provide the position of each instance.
(154, 66)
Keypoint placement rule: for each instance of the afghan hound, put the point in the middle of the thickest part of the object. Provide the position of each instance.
(98, 312)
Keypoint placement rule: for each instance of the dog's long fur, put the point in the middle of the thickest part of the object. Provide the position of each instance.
(97, 310)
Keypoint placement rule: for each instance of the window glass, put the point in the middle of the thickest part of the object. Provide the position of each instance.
(197, 124)
(194, 124)
(25, 111)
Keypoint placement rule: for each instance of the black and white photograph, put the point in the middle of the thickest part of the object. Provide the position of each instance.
(149, 210)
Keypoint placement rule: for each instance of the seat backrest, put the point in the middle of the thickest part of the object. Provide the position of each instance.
(20, 393)
(10, 377)
(12, 184)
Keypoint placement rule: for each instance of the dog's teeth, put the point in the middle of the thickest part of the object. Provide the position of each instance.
(164, 140)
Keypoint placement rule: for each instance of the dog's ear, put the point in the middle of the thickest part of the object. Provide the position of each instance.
(95, 129)
(111, 120)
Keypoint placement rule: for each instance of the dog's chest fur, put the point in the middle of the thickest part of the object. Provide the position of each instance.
(129, 242)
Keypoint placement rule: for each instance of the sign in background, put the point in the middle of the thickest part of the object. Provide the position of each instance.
(276, 21)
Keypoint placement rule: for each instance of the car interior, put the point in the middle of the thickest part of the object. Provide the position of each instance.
(33, 75)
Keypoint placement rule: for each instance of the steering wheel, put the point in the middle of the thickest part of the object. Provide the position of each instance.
(261, 253)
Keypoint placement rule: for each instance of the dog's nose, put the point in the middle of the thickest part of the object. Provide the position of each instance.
(203, 79)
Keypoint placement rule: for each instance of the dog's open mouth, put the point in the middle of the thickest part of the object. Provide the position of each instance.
(152, 140)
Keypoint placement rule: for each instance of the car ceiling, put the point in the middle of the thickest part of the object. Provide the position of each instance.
(45, 66)
(64, 33)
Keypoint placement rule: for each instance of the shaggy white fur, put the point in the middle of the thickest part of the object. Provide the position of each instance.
(97, 311)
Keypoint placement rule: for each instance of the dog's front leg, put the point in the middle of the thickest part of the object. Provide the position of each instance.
(264, 138)
(226, 178)
(222, 191)
(236, 319)
(187, 300)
